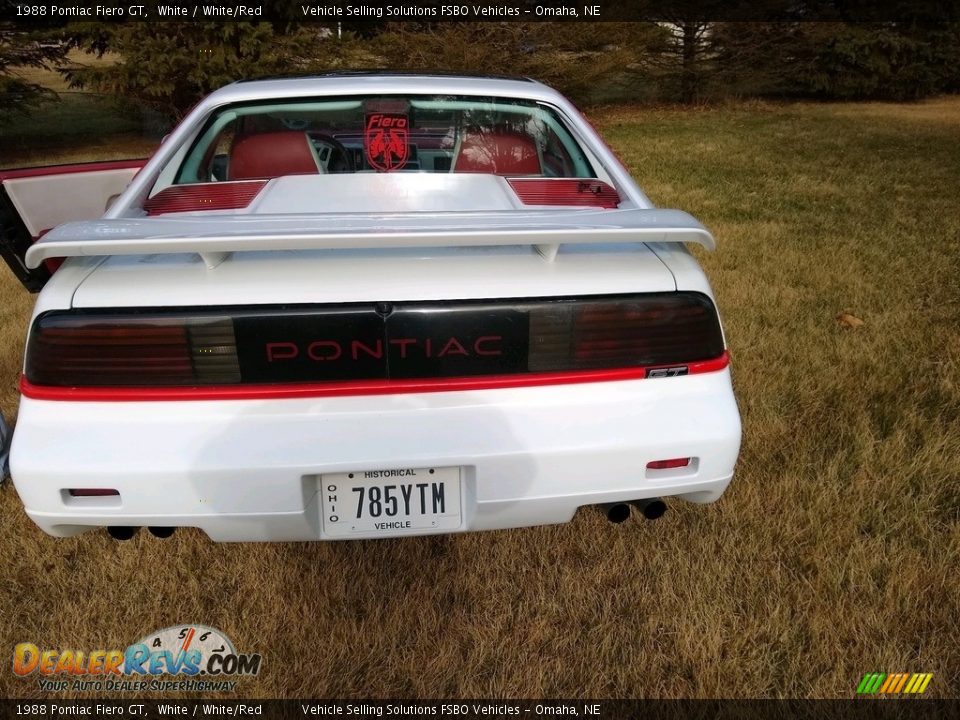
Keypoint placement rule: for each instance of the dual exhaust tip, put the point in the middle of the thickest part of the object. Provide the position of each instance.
(650, 508)
(125, 532)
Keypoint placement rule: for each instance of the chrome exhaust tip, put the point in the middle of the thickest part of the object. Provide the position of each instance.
(615, 512)
(651, 508)
(122, 532)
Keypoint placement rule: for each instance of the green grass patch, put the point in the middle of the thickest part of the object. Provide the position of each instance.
(74, 127)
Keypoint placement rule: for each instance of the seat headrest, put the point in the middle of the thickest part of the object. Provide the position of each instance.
(270, 155)
(498, 152)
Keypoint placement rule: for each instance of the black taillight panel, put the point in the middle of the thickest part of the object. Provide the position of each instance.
(286, 344)
(427, 340)
(308, 345)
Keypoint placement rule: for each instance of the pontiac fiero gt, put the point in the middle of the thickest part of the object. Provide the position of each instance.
(362, 305)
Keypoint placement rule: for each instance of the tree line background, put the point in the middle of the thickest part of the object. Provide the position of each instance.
(170, 66)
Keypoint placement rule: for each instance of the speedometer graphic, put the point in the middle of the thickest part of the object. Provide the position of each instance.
(195, 643)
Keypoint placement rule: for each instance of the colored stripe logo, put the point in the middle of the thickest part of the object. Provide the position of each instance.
(894, 684)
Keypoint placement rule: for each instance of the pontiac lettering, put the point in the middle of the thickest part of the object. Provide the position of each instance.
(332, 350)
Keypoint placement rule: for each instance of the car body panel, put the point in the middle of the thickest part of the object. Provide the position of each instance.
(333, 276)
(249, 470)
(82, 191)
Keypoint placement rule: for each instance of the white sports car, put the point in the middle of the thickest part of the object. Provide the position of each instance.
(362, 305)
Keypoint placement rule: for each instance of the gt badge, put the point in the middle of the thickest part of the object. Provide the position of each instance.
(385, 141)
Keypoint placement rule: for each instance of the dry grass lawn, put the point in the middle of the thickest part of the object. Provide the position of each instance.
(834, 553)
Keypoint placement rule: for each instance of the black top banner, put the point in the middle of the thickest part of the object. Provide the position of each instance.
(430, 11)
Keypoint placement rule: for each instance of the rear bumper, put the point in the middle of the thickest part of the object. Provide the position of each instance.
(250, 469)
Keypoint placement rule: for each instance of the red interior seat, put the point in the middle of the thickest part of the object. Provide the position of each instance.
(270, 155)
(498, 152)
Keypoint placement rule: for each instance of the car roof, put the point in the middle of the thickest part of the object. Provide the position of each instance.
(380, 82)
(387, 73)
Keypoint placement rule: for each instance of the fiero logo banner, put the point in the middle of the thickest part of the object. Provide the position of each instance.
(179, 650)
(385, 140)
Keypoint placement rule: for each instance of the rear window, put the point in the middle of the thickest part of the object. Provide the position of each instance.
(369, 134)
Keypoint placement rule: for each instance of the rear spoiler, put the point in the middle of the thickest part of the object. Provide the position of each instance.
(214, 236)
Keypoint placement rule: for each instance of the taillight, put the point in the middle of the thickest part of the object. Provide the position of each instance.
(383, 347)
(118, 350)
(646, 330)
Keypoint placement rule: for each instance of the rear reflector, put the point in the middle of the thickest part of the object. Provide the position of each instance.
(363, 349)
(92, 492)
(668, 464)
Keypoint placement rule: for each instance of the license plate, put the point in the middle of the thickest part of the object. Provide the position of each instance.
(391, 502)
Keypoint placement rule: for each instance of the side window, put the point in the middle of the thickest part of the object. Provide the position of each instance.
(556, 160)
(216, 158)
